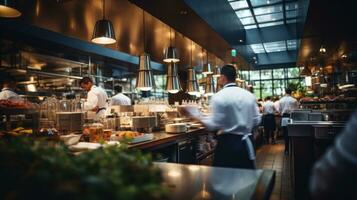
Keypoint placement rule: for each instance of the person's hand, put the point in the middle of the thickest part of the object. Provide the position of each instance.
(95, 109)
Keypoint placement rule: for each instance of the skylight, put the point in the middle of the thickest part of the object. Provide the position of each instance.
(277, 46)
(264, 13)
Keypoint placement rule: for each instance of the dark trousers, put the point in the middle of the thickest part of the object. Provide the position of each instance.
(232, 152)
(269, 126)
(286, 136)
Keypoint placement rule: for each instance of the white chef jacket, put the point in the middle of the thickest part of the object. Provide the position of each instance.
(96, 97)
(268, 107)
(287, 104)
(277, 105)
(120, 99)
(8, 94)
(234, 110)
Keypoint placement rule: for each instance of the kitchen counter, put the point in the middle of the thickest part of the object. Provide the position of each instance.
(162, 139)
(204, 182)
(306, 128)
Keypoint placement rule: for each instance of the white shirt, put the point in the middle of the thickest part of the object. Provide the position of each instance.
(234, 110)
(277, 105)
(120, 99)
(287, 104)
(96, 97)
(268, 107)
(8, 94)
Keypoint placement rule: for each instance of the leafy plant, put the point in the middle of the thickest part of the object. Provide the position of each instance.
(35, 169)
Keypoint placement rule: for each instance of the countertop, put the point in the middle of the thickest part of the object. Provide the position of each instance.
(307, 128)
(163, 138)
(204, 182)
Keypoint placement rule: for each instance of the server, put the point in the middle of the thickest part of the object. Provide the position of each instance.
(269, 119)
(120, 98)
(8, 91)
(96, 98)
(234, 114)
(286, 105)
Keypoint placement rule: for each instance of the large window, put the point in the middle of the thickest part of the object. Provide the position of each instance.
(272, 82)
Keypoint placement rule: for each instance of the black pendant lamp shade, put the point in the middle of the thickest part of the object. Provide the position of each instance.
(170, 54)
(103, 31)
(8, 10)
(172, 80)
(306, 71)
(207, 69)
(145, 79)
(192, 84)
(209, 88)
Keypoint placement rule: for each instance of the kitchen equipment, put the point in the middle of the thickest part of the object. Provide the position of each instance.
(69, 121)
(300, 115)
(315, 116)
(176, 128)
(144, 122)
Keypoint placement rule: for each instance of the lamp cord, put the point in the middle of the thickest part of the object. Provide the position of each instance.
(170, 37)
(191, 54)
(103, 9)
(144, 36)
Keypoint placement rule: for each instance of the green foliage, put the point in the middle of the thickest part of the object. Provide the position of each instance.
(37, 170)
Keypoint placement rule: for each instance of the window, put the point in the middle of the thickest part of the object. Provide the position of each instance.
(254, 75)
(278, 73)
(293, 72)
(267, 88)
(245, 75)
(265, 74)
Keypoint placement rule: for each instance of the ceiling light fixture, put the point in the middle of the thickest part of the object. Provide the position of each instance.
(322, 49)
(145, 79)
(172, 80)
(192, 85)
(8, 10)
(209, 88)
(207, 66)
(170, 54)
(103, 31)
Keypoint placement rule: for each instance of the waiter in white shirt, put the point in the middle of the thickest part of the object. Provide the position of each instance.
(8, 91)
(96, 98)
(120, 98)
(286, 105)
(234, 114)
(269, 119)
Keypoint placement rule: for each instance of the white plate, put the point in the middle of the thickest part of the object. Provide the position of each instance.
(85, 146)
(145, 137)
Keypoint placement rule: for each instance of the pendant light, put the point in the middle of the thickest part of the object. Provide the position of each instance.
(209, 88)
(145, 79)
(170, 54)
(172, 80)
(103, 31)
(192, 85)
(206, 67)
(8, 10)
(306, 71)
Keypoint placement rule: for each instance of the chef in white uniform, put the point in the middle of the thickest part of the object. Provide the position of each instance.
(96, 98)
(286, 105)
(234, 114)
(8, 91)
(120, 98)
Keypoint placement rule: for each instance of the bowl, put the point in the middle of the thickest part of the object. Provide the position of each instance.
(70, 139)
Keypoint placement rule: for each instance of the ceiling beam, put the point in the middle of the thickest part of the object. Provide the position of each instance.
(271, 34)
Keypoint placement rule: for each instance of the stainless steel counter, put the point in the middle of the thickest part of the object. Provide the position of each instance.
(203, 182)
(306, 128)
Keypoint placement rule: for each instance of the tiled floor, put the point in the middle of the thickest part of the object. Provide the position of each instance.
(272, 157)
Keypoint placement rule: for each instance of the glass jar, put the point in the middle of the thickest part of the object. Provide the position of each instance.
(96, 133)
(64, 105)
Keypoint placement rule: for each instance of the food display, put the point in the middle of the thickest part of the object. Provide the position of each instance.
(19, 104)
(328, 98)
(20, 131)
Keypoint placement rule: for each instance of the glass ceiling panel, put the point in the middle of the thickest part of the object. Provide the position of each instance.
(270, 17)
(268, 9)
(257, 48)
(292, 44)
(247, 20)
(291, 14)
(271, 24)
(275, 46)
(250, 27)
(239, 4)
(263, 2)
(290, 21)
(243, 13)
(291, 6)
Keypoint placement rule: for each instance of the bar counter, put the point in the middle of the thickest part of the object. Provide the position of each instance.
(203, 182)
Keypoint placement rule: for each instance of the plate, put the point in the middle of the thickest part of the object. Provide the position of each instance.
(84, 146)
